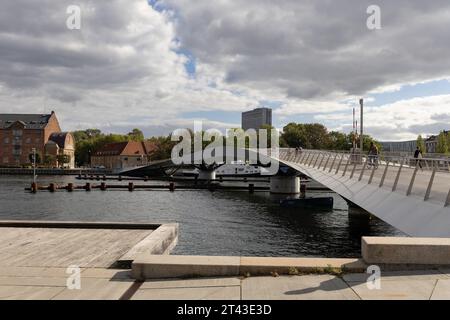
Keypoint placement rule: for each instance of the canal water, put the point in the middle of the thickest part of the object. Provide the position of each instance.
(211, 223)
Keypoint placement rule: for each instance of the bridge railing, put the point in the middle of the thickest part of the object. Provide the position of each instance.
(425, 177)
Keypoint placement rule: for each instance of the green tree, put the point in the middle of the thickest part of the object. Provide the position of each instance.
(421, 144)
(339, 141)
(136, 135)
(442, 143)
(63, 159)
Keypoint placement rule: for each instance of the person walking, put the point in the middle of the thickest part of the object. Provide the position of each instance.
(418, 155)
(373, 155)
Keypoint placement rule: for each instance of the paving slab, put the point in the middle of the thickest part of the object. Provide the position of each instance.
(398, 276)
(33, 281)
(28, 292)
(165, 266)
(195, 293)
(265, 266)
(396, 290)
(191, 283)
(310, 287)
(442, 290)
(96, 289)
(106, 273)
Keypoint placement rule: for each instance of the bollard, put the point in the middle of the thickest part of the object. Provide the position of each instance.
(88, 186)
(34, 187)
(221, 179)
(52, 187)
(120, 178)
(251, 188)
(104, 177)
(145, 178)
(130, 186)
(70, 187)
(103, 186)
(172, 187)
(245, 179)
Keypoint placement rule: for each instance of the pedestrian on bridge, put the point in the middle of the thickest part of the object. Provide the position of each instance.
(418, 155)
(373, 155)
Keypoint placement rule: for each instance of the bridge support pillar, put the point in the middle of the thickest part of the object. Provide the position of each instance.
(206, 175)
(284, 185)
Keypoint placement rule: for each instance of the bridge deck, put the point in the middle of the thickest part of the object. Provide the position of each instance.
(414, 200)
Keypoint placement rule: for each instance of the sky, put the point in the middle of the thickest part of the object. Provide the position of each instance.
(160, 65)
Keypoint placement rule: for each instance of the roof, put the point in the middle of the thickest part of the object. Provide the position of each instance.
(127, 148)
(30, 121)
(59, 138)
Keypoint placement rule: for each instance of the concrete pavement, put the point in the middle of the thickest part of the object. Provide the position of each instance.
(21, 283)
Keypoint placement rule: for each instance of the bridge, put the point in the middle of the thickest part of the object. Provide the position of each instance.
(414, 200)
(397, 190)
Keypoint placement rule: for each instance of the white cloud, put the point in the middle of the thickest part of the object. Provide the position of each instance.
(315, 57)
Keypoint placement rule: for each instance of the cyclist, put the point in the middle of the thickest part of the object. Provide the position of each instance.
(373, 155)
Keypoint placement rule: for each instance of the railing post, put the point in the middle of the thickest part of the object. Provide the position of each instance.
(384, 174)
(413, 179)
(339, 165)
(326, 163)
(430, 184)
(321, 161)
(307, 158)
(353, 171)
(346, 166)
(394, 187)
(332, 164)
(311, 162)
(315, 162)
(372, 174)
(363, 169)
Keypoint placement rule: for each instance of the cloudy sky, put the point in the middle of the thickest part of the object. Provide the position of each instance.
(160, 65)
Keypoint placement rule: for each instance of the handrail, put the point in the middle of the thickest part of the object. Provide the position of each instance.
(325, 160)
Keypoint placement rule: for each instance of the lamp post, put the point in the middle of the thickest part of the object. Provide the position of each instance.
(361, 102)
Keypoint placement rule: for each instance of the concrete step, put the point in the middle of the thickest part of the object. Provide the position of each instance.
(406, 251)
(161, 267)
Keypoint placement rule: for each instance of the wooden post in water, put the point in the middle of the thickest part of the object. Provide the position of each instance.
(34, 187)
(88, 186)
(70, 187)
(103, 186)
(130, 186)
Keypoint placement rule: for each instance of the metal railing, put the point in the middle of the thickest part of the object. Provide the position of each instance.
(403, 169)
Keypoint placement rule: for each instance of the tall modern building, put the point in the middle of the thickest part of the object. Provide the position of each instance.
(255, 119)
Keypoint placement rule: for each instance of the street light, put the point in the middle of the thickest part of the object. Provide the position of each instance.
(361, 103)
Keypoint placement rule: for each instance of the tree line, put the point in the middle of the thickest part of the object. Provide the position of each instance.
(307, 136)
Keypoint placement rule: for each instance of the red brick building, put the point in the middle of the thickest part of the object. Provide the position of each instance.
(123, 155)
(20, 133)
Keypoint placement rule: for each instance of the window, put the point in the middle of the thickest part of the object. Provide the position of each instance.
(17, 133)
(5, 160)
(6, 140)
(28, 140)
